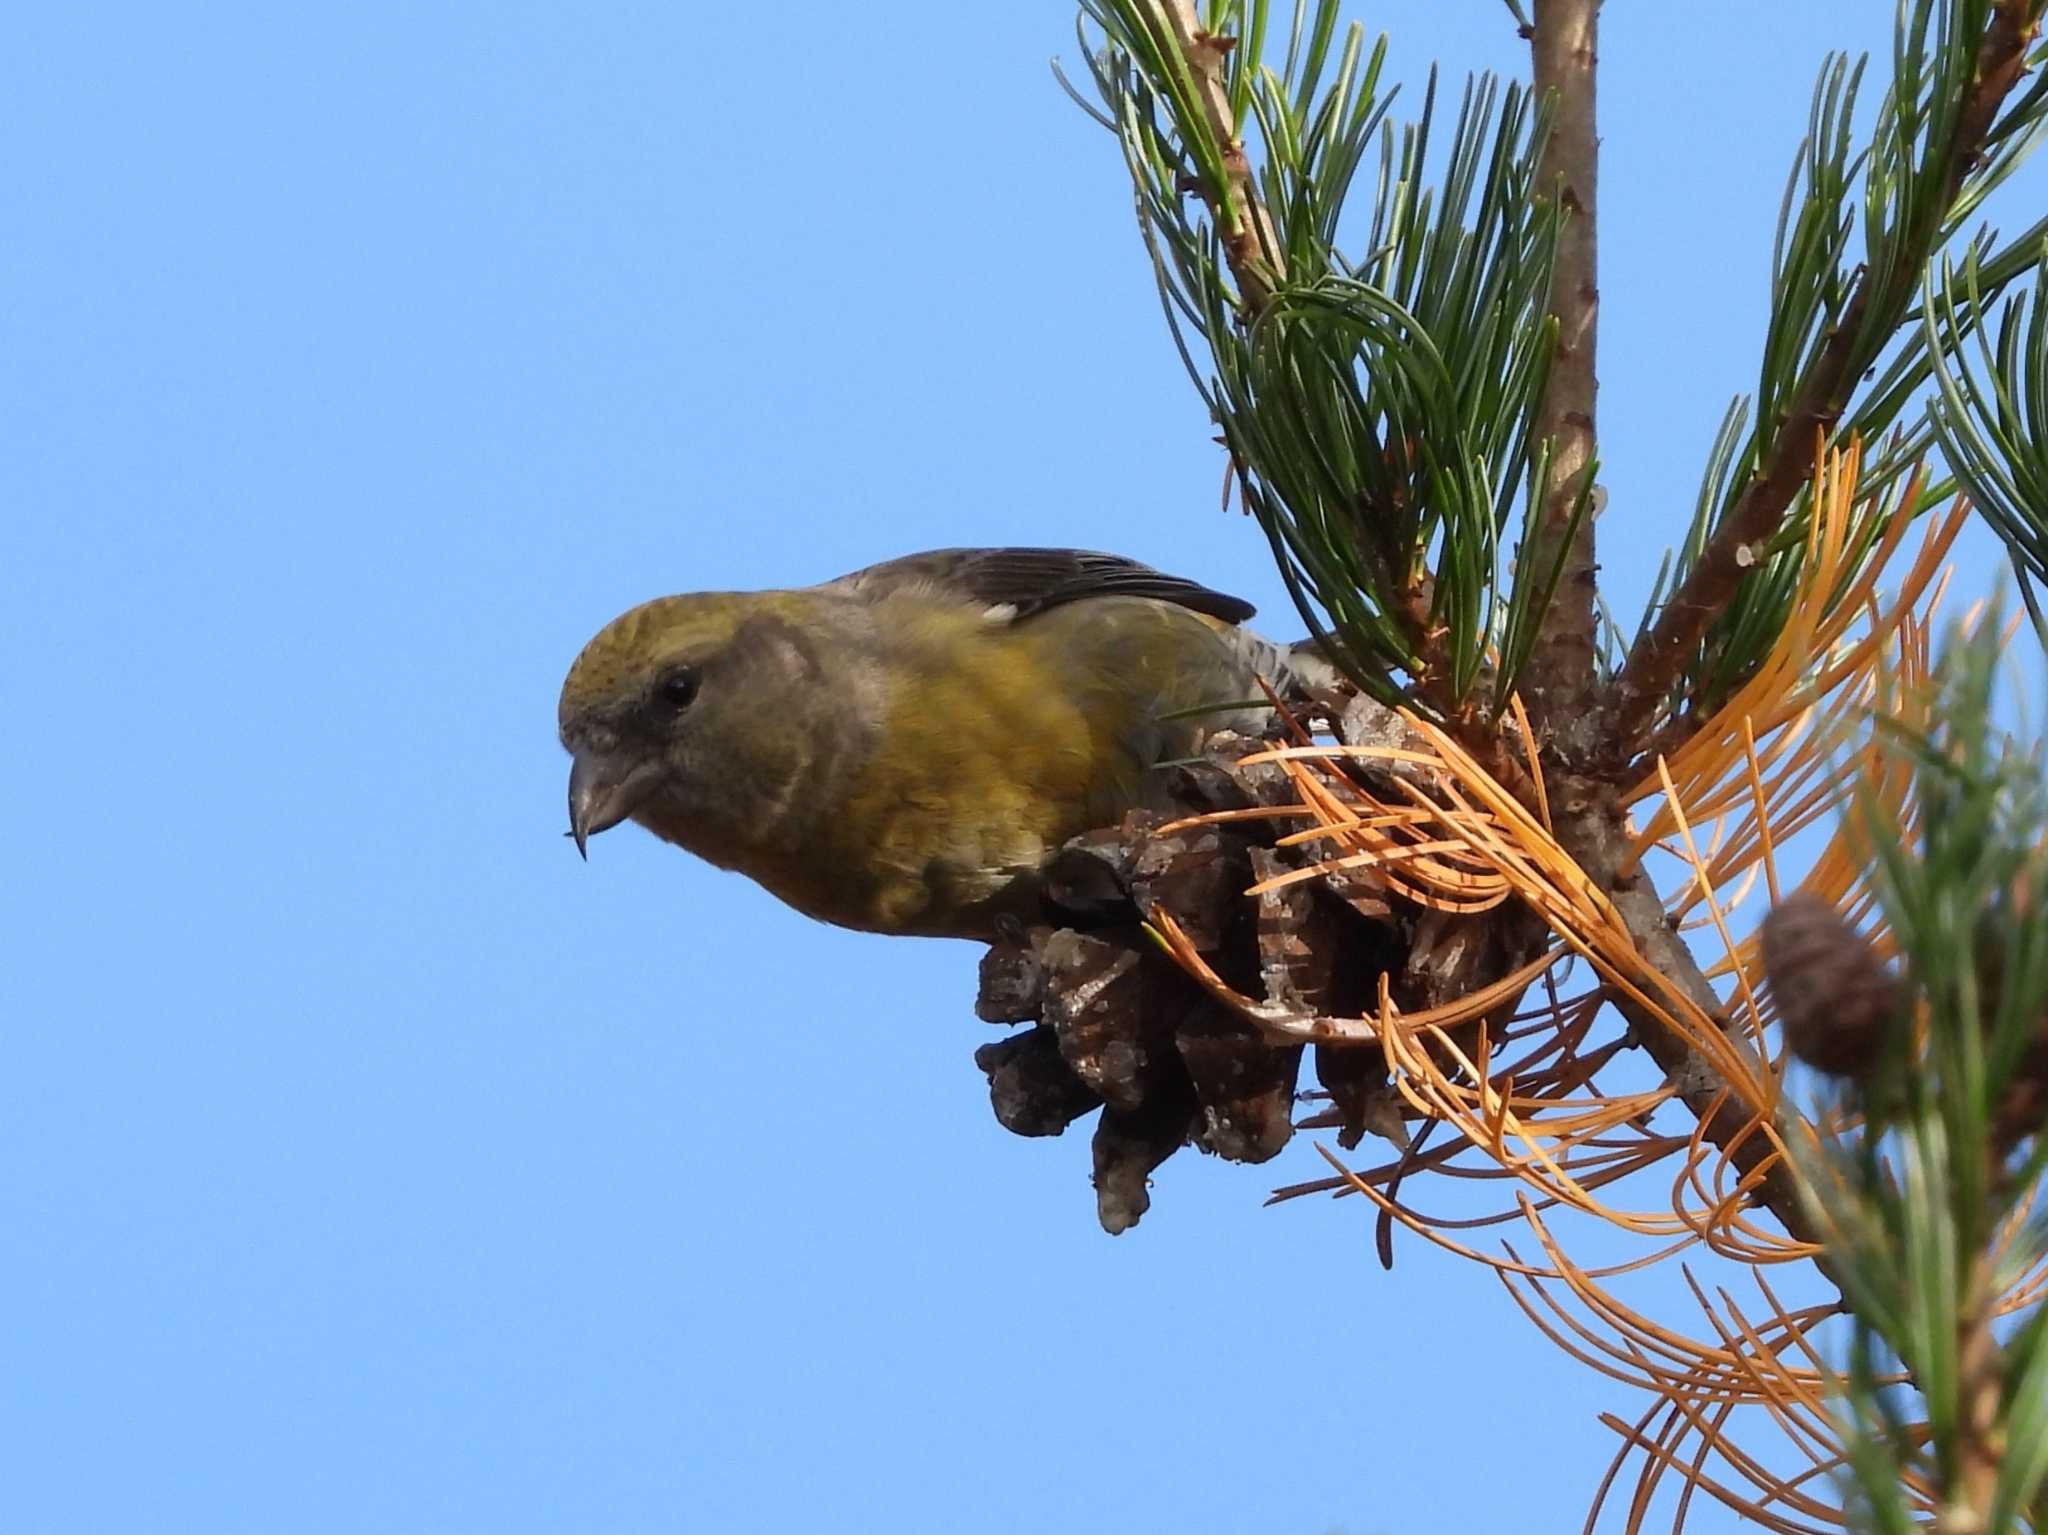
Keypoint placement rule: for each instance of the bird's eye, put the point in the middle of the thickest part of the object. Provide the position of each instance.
(678, 687)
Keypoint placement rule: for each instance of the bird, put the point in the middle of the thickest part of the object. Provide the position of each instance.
(903, 749)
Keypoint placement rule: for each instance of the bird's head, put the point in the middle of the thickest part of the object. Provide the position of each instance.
(695, 716)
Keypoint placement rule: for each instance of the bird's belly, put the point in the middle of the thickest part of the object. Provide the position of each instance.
(922, 874)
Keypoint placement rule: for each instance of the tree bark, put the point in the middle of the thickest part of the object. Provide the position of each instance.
(1557, 685)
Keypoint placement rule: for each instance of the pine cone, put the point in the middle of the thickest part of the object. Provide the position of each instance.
(1837, 1002)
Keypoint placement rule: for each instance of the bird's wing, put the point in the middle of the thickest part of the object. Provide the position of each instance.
(1031, 581)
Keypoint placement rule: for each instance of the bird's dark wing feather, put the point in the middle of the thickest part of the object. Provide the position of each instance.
(1034, 580)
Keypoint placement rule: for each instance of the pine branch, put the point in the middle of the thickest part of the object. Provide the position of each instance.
(1925, 1198)
(1378, 409)
(1196, 59)
(1561, 676)
(1992, 420)
(1559, 682)
(1881, 296)
(1591, 830)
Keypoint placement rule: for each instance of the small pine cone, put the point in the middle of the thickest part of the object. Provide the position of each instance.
(1836, 1000)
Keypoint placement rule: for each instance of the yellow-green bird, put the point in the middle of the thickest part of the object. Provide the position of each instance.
(904, 748)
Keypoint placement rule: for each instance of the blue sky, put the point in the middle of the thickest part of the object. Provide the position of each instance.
(366, 1162)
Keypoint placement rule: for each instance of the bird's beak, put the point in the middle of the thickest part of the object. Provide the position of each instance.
(602, 793)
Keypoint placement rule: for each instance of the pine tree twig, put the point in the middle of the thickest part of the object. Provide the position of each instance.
(1979, 1453)
(1250, 242)
(1558, 684)
(1590, 827)
(1561, 676)
(1660, 657)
